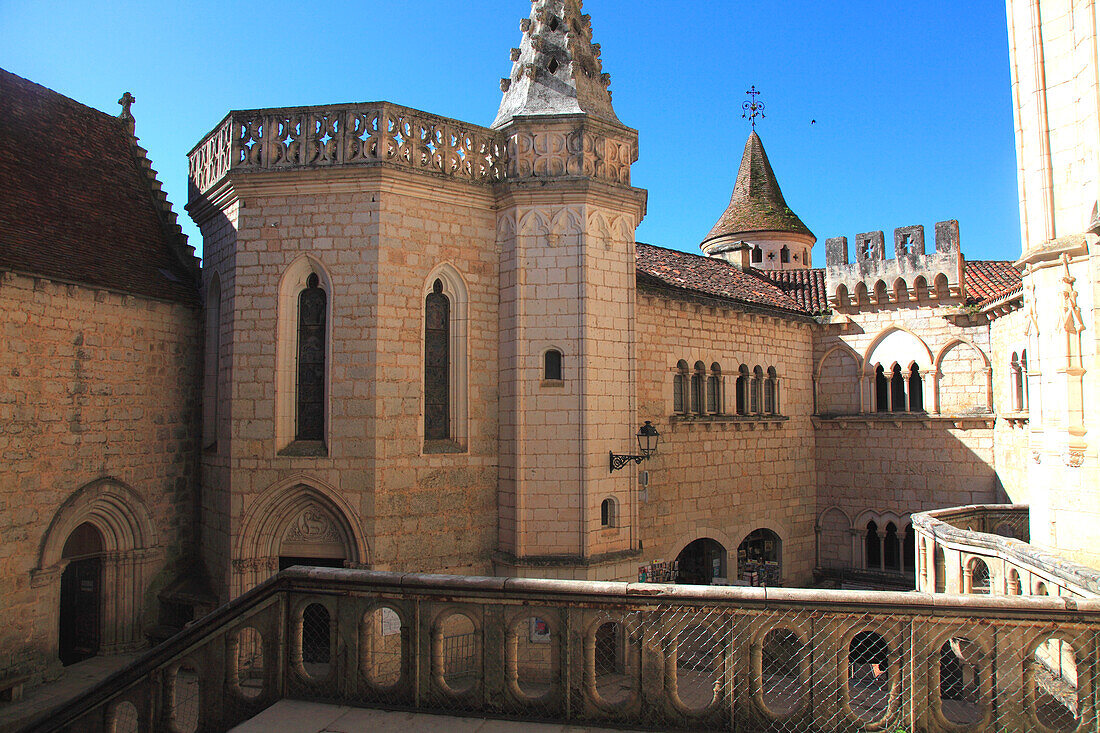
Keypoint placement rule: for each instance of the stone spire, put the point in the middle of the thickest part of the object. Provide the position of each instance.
(556, 70)
(757, 204)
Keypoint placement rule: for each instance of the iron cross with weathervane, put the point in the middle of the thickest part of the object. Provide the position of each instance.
(752, 108)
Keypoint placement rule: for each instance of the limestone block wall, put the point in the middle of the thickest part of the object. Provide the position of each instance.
(1060, 299)
(219, 233)
(1056, 92)
(883, 466)
(1012, 431)
(724, 476)
(374, 493)
(98, 416)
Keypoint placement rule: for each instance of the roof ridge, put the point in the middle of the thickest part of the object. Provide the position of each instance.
(181, 250)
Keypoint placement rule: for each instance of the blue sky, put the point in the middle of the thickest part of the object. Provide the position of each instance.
(912, 101)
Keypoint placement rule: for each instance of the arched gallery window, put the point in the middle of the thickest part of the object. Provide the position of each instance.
(551, 365)
(698, 380)
(757, 389)
(873, 551)
(680, 388)
(1018, 375)
(437, 364)
(882, 390)
(897, 389)
(771, 392)
(891, 548)
(743, 387)
(916, 389)
(785, 254)
(757, 254)
(714, 389)
(312, 311)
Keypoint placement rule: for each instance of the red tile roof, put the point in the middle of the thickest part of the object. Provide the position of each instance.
(990, 279)
(806, 287)
(74, 203)
(801, 291)
(711, 276)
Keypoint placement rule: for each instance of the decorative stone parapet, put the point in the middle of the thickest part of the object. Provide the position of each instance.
(343, 135)
(998, 535)
(912, 274)
(373, 133)
(628, 655)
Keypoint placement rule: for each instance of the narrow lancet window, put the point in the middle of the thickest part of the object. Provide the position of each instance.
(312, 307)
(437, 364)
(551, 370)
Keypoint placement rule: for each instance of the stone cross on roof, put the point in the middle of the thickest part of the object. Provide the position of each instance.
(556, 70)
(125, 115)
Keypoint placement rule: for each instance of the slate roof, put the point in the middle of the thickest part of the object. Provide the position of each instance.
(757, 204)
(990, 279)
(74, 203)
(710, 276)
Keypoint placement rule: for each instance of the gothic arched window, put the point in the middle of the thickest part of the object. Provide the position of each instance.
(882, 390)
(757, 389)
(437, 364)
(312, 309)
(785, 254)
(916, 389)
(743, 385)
(897, 389)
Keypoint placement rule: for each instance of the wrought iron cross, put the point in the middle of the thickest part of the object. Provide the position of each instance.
(752, 108)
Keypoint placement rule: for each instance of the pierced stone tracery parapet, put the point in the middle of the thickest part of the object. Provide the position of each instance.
(304, 138)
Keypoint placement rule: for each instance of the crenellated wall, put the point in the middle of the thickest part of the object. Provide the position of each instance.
(875, 279)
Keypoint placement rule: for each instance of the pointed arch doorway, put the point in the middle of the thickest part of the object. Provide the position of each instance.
(80, 614)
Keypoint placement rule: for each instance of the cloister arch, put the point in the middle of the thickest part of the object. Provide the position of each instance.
(955, 366)
(130, 555)
(836, 381)
(297, 517)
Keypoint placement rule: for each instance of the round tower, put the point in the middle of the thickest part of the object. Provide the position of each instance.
(758, 229)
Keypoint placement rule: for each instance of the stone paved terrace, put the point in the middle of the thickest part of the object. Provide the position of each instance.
(295, 716)
(640, 656)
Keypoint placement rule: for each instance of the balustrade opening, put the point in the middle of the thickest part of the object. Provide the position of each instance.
(384, 635)
(531, 657)
(782, 658)
(461, 653)
(1053, 685)
(869, 676)
(960, 681)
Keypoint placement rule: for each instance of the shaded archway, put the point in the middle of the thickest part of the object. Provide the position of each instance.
(81, 605)
(106, 529)
(760, 558)
(701, 562)
(296, 522)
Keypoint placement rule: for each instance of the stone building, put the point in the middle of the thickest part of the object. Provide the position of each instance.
(99, 372)
(424, 337)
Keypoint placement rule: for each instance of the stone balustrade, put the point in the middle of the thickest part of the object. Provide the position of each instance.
(343, 135)
(632, 655)
(985, 549)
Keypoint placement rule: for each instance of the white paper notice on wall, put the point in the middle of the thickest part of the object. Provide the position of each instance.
(391, 622)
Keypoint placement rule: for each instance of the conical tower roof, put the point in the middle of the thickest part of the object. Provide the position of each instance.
(757, 204)
(556, 70)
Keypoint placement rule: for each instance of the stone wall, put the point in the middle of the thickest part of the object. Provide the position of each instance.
(724, 476)
(381, 496)
(98, 417)
(883, 466)
(1011, 433)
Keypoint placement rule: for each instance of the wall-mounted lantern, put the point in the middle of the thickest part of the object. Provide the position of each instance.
(648, 437)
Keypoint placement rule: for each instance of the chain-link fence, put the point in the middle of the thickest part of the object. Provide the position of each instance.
(652, 657)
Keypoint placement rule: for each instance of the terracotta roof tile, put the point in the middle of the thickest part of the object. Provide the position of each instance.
(989, 279)
(74, 203)
(711, 276)
(806, 287)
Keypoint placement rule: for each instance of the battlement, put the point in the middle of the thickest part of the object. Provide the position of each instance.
(912, 274)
